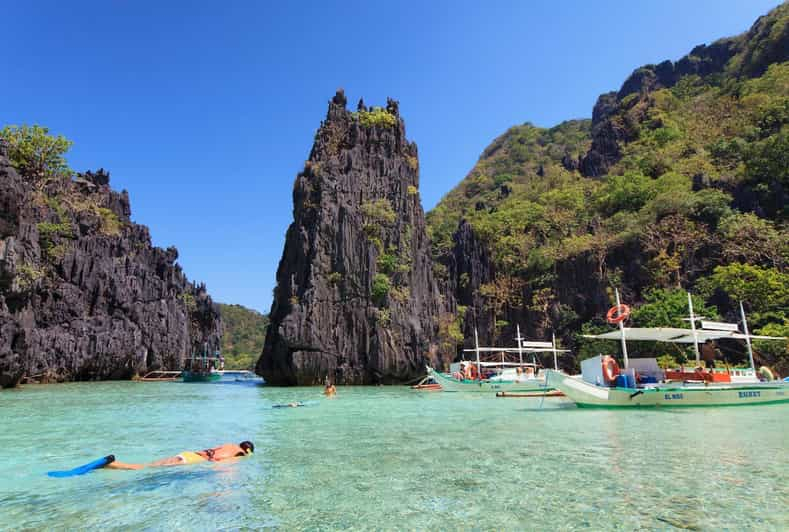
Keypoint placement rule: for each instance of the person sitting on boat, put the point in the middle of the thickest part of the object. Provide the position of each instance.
(226, 451)
(708, 353)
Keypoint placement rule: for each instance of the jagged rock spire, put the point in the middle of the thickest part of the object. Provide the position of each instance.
(356, 299)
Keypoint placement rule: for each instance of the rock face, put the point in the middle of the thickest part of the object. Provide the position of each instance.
(615, 118)
(470, 267)
(83, 293)
(356, 299)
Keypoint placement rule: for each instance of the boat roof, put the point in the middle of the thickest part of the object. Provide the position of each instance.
(515, 350)
(677, 335)
(497, 364)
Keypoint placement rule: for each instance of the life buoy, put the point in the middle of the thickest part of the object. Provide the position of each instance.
(618, 313)
(610, 369)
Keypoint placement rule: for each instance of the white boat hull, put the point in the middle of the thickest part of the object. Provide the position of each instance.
(585, 394)
(449, 384)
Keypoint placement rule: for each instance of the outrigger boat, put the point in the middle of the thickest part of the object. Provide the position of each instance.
(427, 384)
(205, 368)
(501, 375)
(642, 383)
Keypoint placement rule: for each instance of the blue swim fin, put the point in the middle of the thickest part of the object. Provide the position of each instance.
(81, 470)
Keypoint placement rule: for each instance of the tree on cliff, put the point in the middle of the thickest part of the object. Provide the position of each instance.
(36, 153)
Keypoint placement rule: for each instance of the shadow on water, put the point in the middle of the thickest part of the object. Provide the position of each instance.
(651, 409)
(152, 481)
(244, 382)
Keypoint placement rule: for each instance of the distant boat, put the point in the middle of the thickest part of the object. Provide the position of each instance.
(205, 368)
(642, 383)
(428, 384)
(500, 375)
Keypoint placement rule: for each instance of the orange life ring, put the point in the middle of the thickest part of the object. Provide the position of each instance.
(471, 372)
(610, 369)
(618, 313)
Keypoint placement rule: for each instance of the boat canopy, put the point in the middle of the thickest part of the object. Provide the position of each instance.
(678, 335)
(498, 364)
(515, 350)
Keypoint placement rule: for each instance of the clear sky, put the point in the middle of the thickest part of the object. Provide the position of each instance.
(205, 111)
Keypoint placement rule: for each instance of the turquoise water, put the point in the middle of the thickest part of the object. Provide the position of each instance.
(385, 458)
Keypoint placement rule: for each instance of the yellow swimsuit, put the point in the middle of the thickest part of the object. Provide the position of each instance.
(191, 457)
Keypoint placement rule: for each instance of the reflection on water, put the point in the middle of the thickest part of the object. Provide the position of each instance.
(386, 457)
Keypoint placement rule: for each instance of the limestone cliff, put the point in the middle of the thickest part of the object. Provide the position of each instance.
(356, 299)
(83, 293)
(678, 183)
(618, 116)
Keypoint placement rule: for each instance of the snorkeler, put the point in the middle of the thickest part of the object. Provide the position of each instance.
(223, 452)
(294, 404)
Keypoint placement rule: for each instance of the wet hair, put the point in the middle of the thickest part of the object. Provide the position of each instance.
(247, 446)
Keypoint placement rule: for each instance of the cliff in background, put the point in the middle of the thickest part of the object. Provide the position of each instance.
(679, 182)
(356, 299)
(244, 331)
(83, 293)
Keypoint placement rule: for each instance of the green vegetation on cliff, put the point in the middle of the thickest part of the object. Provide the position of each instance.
(244, 334)
(376, 117)
(693, 196)
(36, 153)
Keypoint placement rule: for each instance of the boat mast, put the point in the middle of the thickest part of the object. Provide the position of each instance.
(520, 346)
(476, 347)
(553, 344)
(747, 337)
(693, 327)
(622, 330)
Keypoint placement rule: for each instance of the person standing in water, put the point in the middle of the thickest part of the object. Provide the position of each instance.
(221, 453)
(329, 390)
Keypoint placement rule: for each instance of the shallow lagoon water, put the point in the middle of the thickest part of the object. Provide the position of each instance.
(386, 458)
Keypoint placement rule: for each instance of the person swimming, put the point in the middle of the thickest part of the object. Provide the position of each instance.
(226, 451)
(294, 404)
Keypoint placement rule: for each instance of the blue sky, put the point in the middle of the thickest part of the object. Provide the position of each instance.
(205, 111)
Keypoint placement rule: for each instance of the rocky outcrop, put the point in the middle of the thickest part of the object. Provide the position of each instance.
(355, 300)
(470, 267)
(83, 293)
(747, 55)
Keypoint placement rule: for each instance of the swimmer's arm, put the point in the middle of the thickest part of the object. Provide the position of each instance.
(231, 460)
